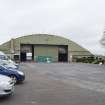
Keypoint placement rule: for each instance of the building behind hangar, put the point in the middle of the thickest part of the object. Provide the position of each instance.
(42, 47)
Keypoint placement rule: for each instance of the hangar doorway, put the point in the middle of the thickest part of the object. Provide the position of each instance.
(63, 54)
(23, 56)
(27, 52)
(31, 52)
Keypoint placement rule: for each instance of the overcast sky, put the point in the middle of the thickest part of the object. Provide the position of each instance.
(82, 21)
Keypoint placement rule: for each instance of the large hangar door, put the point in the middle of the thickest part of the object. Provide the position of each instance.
(26, 53)
(46, 51)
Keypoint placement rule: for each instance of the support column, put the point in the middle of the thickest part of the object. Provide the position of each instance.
(12, 48)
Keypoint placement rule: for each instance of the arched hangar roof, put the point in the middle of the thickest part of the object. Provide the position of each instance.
(46, 39)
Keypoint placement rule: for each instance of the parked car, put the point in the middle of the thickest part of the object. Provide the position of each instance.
(6, 85)
(16, 75)
(8, 62)
(13, 63)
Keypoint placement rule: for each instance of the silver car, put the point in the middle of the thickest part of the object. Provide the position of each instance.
(6, 85)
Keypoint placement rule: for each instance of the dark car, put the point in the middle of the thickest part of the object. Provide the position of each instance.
(16, 75)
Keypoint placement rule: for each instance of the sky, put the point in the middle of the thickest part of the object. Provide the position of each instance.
(82, 21)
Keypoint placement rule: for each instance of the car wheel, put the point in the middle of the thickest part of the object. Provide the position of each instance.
(13, 78)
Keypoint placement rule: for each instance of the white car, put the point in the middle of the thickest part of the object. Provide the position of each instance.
(6, 85)
(8, 64)
(4, 60)
(13, 63)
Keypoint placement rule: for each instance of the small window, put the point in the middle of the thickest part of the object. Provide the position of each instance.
(16, 57)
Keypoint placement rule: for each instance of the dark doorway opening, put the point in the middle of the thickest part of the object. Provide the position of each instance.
(63, 54)
(63, 58)
(26, 52)
(33, 52)
(23, 56)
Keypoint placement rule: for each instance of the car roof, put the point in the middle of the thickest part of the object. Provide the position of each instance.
(1, 75)
(1, 53)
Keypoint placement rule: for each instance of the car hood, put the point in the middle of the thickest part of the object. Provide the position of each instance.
(4, 78)
(12, 69)
(11, 65)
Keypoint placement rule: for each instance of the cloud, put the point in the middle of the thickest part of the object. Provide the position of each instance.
(82, 21)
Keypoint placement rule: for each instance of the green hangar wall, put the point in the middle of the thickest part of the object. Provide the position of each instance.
(40, 47)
